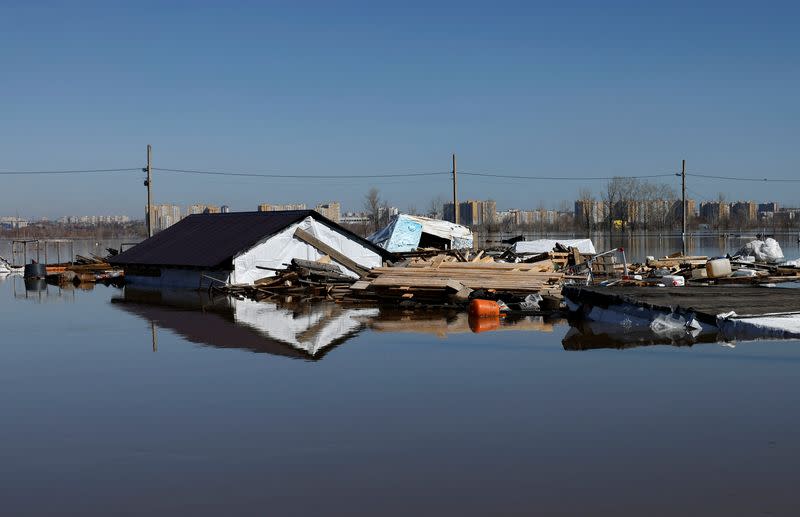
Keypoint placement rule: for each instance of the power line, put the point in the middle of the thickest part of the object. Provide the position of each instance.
(301, 176)
(80, 171)
(560, 178)
(731, 178)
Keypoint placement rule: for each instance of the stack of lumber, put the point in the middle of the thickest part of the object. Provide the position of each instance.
(678, 259)
(440, 279)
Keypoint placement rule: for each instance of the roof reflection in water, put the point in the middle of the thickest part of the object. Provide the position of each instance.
(297, 331)
(591, 335)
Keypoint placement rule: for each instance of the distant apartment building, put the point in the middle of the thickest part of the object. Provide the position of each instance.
(330, 210)
(354, 218)
(744, 211)
(12, 223)
(472, 212)
(203, 209)
(267, 207)
(93, 220)
(165, 216)
(225, 209)
(714, 211)
(691, 209)
(768, 208)
(587, 210)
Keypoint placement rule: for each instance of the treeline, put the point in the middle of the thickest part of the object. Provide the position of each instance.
(100, 231)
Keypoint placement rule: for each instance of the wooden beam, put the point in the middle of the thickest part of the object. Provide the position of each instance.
(331, 252)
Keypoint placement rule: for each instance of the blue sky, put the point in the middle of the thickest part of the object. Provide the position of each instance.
(559, 89)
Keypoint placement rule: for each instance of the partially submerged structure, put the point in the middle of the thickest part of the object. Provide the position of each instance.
(727, 313)
(243, 247)
(406, 233)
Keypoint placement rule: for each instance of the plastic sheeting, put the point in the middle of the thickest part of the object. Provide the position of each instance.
(277, 251)
(764, 251)
(547, 245)
(405, 231)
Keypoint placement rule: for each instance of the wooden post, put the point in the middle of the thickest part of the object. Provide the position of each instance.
(149, 184)
(683, 203)
(155, 336)
(455, 191)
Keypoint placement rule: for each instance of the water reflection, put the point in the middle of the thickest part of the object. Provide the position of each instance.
(592, 335)
(443, 323)
(296, 331)
(292, 329)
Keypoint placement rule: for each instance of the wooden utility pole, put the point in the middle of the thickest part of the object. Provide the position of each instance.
(455, 191)
(683, 202)
(149, 184)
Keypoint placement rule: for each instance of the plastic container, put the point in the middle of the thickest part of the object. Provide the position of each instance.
(700, 272)
(484, 309)
(673, 280)
(718, 268)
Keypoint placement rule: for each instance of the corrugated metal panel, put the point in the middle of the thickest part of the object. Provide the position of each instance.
(211, 240)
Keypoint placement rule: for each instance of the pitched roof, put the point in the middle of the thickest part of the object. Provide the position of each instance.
(212, 240)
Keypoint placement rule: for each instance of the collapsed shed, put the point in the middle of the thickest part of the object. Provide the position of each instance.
(242, 247)
(406, 233)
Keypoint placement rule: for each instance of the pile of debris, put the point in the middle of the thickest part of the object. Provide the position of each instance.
(444, 280)
(319, 278)
(758, 262)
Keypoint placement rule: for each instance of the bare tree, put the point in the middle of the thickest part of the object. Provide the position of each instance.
(436, 208)
(372, 205)
(585, 212)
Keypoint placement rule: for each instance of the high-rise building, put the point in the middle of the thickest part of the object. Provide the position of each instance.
(472, 212)
(225, 209)
(744, 211)
(267, 207)
(330, 210)
(714, 211)
(203, 209)
(770, 207)
(165, 216)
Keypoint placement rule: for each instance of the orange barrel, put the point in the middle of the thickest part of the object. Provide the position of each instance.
(478, 325)
(484, 309)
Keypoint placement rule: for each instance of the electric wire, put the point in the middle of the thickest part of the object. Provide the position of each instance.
(76, 171)
(301, 176)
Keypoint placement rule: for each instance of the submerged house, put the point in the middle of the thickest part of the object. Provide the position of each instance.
(242, 247)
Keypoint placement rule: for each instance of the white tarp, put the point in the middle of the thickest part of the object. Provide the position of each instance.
(311, 331)
(764, 251)
(405, 231)
(547, 245)
(277, 251)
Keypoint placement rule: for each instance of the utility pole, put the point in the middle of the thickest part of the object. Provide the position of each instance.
(455, 191)
(149, 184)
(683, 202)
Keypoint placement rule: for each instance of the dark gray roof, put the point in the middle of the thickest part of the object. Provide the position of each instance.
(212, 240)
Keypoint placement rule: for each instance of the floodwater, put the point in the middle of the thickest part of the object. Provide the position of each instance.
(173, 403)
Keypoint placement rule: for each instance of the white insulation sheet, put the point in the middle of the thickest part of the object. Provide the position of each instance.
(547, 245)
(279, 250)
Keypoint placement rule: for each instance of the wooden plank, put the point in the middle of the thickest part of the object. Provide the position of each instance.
(333, 253)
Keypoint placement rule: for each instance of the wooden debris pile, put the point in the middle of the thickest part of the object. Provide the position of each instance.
(443, 279)
(320, 279)
(693, 269)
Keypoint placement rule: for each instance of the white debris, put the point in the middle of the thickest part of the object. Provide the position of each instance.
(764, 251)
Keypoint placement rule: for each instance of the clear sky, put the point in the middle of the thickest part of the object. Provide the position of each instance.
(562, 89)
